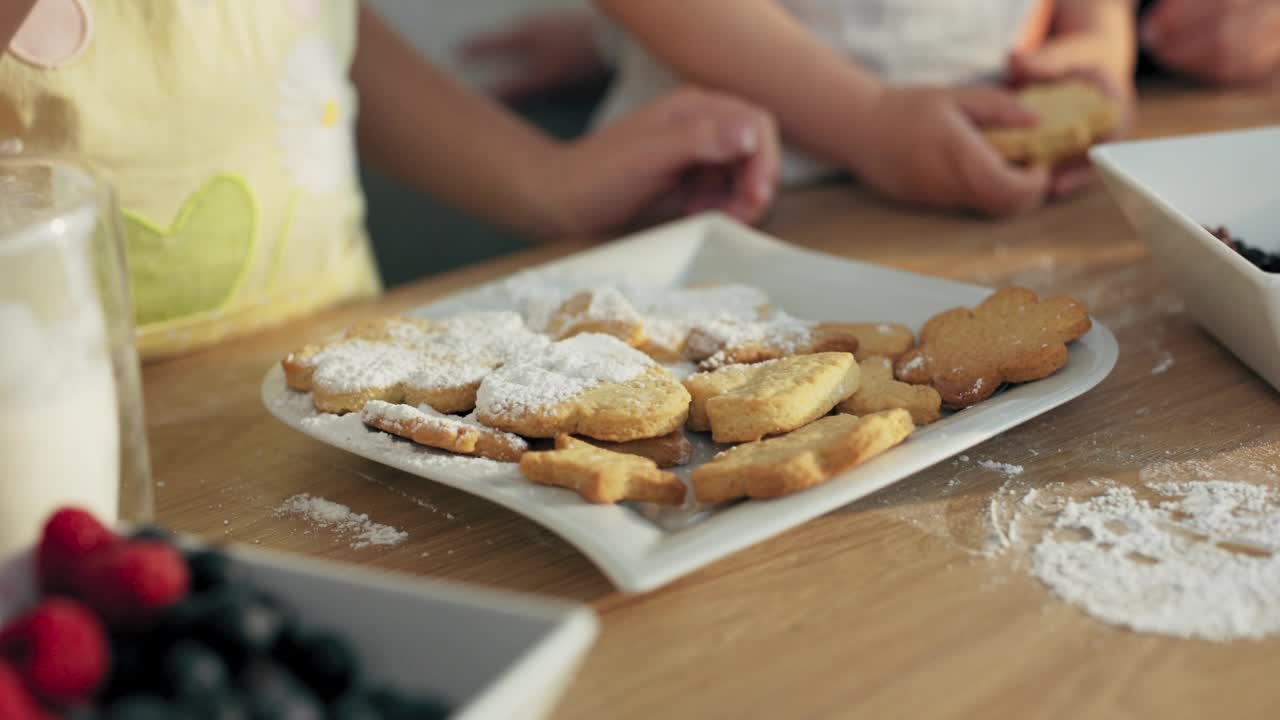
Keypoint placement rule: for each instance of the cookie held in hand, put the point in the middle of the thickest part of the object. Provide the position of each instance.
(1013, 336)
(800, 460)
(1073, 116)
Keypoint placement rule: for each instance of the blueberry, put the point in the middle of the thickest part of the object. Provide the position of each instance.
(354, 706)
(218, 706)
(135, 665)
(193, 670)
(325, 662)
(212, 569)
(153, 532)
(81, 712)
(273, 693)
(238, 624)
(139, 707)
(398, 706)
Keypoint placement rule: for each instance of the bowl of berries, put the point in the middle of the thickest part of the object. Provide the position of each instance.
(97, 625)
(1208, 206)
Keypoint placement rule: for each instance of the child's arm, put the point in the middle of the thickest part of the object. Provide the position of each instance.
(425, 129)
(12, 13)
(1223, 41)
(920, 145)
(1087, 35)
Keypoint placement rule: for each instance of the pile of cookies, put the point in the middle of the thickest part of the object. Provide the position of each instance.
(798, 401)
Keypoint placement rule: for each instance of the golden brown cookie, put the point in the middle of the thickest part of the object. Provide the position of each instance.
(425, 426)
(1073, 116)
(667, 451)
(717, 344)
(603, 310)
(800, 460)
(589, 384)
(878, 391)
(404, 360)
(741, 403)
(874, 339)
(1013, 336)
(602, 476)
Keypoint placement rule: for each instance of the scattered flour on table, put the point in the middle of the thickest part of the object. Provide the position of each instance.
(1163, 365)
(1198, 561)
(1191, 550)
(1006, 469)
(343, 520)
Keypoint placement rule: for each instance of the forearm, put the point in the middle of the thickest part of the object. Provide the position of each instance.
(1101, 33)
(12, 13)
(421, 127)
(817, 95)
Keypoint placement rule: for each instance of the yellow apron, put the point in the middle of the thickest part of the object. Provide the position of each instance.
(226, 128)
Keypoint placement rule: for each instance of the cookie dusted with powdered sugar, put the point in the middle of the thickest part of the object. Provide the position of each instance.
(426, 426)
(590, 384)
(409, 360)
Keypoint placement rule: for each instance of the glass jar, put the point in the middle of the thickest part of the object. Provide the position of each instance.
(71, 415)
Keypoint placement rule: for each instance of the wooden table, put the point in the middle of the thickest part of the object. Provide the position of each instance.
(884, 608)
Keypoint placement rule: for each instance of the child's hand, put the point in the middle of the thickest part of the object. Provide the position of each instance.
(923, 145)
(1048, 65)
(689, 151)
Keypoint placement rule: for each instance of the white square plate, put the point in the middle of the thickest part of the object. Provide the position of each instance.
(643, 548)
(489, 654)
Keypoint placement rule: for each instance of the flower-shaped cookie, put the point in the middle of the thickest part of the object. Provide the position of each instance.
(1013, 336)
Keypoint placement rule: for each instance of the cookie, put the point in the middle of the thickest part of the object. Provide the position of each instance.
(670, 315)
(589, 384)
(667, 451)
(412, 361)
(602, 476)
(425, 426)
(1013, 336)
(1073, 116)
(729, 342)
(874, 339)
(741, 403)
(800, 460)
(604, 310)
(878, 390)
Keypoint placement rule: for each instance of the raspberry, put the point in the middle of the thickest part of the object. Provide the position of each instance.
(71, 536)
(16, 702)
(132, 582)
(60, 650)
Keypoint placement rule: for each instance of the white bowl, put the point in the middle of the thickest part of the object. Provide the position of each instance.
(489, 654)
(1170, 189)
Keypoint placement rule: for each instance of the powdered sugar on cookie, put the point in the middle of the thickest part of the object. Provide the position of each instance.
(560, 372)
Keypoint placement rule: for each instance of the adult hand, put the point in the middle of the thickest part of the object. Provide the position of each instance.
(1218, 41)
